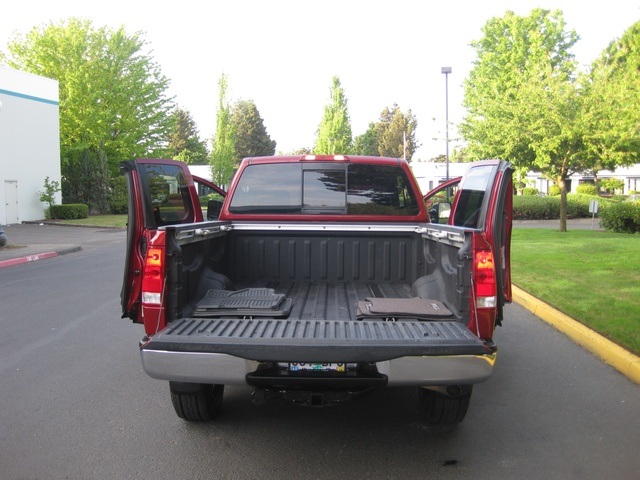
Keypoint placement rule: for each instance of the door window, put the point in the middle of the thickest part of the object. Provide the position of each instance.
(168, 193)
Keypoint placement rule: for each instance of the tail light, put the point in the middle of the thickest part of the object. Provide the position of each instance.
(484, 275)
(153, 279)
(153, 290)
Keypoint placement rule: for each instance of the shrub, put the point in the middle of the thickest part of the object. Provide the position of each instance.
(611, 184)
(587, 189)
(118, 202)
(527, 207)
(51, 187)
(623, 217)
(554, 190)
(530, 191)
(69, 211)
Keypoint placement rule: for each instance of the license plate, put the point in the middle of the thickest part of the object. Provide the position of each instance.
(317, 367)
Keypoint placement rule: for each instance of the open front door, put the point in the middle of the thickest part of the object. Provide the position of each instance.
(161, 192)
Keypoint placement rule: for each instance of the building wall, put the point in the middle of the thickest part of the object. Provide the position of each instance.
(430, 174)
(29, 143)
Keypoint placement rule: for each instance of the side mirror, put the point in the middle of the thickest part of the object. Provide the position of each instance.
(214, 207)
(440, 212)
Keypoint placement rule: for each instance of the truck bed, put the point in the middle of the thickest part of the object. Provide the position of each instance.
(322, 326)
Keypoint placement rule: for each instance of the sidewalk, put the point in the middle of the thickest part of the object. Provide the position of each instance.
(30, 242)
(34, 242)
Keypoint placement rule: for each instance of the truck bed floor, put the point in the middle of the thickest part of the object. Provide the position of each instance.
(331, 300)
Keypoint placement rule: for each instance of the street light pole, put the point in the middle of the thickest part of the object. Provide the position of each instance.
(447, 71)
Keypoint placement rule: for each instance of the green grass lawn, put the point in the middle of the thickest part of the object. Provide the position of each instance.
(98, 221)
(594, 277)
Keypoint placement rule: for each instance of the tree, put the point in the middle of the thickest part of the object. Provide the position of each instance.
(298, 151)
(396, 133)
(112, 98)
(523, 102)
(48, 195)
(184, 142)
(223, 159)
(612, 105)
(252, 139)
(87, 180)
(334, 132)
(113, 103)
(367, 143)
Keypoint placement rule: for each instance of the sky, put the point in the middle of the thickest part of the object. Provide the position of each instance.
(282, 54)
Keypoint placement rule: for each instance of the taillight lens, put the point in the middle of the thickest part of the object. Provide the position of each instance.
(152, 280)
(485, 279)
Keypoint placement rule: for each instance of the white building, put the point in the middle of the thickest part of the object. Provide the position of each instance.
(29, 143)
(432, 174)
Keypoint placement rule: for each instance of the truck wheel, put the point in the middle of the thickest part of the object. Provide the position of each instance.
(445, 405)
(197, 403)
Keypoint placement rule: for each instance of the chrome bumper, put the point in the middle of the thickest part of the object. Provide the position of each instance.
(219, 368)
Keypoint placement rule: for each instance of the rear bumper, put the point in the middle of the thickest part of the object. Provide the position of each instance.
(221, 368)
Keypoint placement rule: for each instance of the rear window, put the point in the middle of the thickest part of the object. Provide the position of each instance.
(352, 189)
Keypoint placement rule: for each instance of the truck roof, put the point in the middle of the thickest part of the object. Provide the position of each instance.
(326, 158)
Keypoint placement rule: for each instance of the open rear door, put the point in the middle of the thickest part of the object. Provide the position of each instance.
(161, 192)
(484, 201)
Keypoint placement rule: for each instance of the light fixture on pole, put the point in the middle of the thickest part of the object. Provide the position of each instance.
(447, 71)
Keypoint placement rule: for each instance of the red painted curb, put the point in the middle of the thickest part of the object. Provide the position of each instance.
(27, 259)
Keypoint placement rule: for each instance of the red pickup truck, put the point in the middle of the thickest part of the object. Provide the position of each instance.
(316, 279)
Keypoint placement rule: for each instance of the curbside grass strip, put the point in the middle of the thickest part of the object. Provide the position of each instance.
(622, 360)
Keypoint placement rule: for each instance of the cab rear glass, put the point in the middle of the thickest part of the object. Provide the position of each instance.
(324, 188)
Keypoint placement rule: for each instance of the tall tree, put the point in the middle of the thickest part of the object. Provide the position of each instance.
(252, 139)
(612, 105)
(334, 132)
(223, 159)
(367, 143)
(397, 133)
(113, 101)
(184, 142)
(522, 100)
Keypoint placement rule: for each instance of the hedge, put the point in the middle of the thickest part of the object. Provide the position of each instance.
(69, 211)
(528, 207)
(623, 217)
(587, 188)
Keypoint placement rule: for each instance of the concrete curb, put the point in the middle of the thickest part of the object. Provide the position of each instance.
(29, 258)
(625, 362)
(39, 256)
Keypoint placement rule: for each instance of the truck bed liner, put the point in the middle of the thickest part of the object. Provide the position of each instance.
(322, 327)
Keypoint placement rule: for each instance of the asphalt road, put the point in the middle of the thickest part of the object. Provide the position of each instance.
(75, 403)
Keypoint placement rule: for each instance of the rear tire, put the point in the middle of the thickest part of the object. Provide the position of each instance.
(197, 402)
(445, 406)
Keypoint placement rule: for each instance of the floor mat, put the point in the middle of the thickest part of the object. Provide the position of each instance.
(246, 302)
(420, 308)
